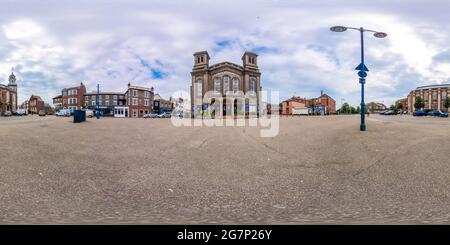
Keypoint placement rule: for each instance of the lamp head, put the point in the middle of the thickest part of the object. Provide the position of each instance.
(338, 28)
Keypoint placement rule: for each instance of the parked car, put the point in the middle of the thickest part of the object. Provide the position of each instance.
(63, 113)
(165, 115)
(419, 113)
(42, 113)
(383, 112)
(89, 113)
(437, 113)
(390, 112)
(151, 115)
(7, 113)
(21, 112)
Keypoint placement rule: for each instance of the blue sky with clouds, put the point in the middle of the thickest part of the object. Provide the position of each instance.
(54, 44)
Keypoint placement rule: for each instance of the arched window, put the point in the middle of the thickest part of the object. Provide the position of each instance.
(217, 84)
(226, 84)
(199, 84)
(252, 86)
(235, 85)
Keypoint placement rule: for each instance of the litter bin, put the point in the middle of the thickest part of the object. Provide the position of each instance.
(79, 116)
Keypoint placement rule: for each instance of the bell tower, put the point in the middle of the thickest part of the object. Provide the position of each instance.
(249, 60)
(201, 60)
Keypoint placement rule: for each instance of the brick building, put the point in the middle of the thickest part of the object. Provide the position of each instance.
(57, 102)
(73, 98)
(322, 105)
(403, 104)
(375, 107)
(139, 100)
(35, 104)
(161, 105)
(433, 97)
(135, 102)
(8, 95)
(105, 101)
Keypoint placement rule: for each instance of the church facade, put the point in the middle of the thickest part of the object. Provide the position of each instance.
(8, 95)
(225, 89)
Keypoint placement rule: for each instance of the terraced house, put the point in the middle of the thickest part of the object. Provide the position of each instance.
(135, 102)
(73, 98)
(139, 100)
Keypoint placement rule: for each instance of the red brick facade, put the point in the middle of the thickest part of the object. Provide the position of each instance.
(73, 98)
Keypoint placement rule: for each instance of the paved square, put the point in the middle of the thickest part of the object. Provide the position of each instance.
(317, 170)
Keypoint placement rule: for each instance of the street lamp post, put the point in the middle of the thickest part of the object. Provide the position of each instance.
(361, 68)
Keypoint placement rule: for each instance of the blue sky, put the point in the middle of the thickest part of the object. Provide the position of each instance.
(54, 44)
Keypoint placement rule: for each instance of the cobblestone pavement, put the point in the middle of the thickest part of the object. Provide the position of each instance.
(317, 170)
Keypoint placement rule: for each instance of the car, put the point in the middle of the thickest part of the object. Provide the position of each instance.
(89, 113)
(419, 113)
(383, 112)
(42, 113)
(21, 112)
(151, 115)
(437, 113)
(7, 113)
(63, 113)
(390, 112)
(165, 115)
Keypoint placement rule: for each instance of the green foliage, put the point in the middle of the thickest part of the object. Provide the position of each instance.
(447, 102)
(419, 104)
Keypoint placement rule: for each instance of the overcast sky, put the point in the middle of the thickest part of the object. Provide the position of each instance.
(55, 44)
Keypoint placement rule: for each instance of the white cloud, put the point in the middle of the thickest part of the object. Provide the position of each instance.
(106, 42)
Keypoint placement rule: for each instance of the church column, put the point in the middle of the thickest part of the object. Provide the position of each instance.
(439, 98)
(429, 99)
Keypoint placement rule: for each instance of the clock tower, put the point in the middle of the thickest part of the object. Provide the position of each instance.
(12, 82)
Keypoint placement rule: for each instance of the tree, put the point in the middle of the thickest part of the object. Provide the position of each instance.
(392, 108)
(419, 104)
(447, 102)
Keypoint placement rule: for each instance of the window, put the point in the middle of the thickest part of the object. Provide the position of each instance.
(217, 85)
(86, 97)
(434, 95)
(135, 113)
(135, 101)
(146, 102)
(107, 102)
(199, 87)
(115, 97)
(114, 102)
(106, 97)
(74, 92)
(235, 85)
(64, 93)
(141, 111)
(134, 93)
(72, 100)
(252, 86)
(93, 102)
(93, 97)
(226, 84)
(86, 103)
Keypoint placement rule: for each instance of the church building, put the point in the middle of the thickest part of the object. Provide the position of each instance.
(8, 95)
(230, 89)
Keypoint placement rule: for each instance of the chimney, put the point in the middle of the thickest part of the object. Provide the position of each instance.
(321, 92)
